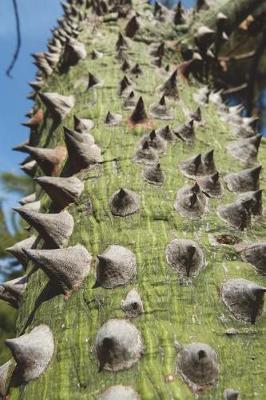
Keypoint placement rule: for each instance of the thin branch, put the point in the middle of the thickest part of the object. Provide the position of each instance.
(244, 56)
(16, 53)
(235, 89)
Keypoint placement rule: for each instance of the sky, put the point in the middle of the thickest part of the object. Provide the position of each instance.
(37, 17)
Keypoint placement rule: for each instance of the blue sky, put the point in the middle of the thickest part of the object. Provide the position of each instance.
(37, 18)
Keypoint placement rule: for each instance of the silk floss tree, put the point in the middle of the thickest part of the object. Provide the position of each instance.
(144, 271)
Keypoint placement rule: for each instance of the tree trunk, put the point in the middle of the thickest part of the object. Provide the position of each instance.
(175, 309)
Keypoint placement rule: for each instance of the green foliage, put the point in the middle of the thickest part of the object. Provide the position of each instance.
(10, 233)
(8, 238)
(8, 317)
(10, 227)
(14, 183)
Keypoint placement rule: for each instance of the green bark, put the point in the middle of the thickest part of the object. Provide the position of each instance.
(173, 312)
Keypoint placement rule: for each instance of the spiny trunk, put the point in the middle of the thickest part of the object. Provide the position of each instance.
(175, 309)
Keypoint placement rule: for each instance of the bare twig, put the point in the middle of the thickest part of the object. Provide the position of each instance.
(16, 53)
(235, 89)
(237, 57)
